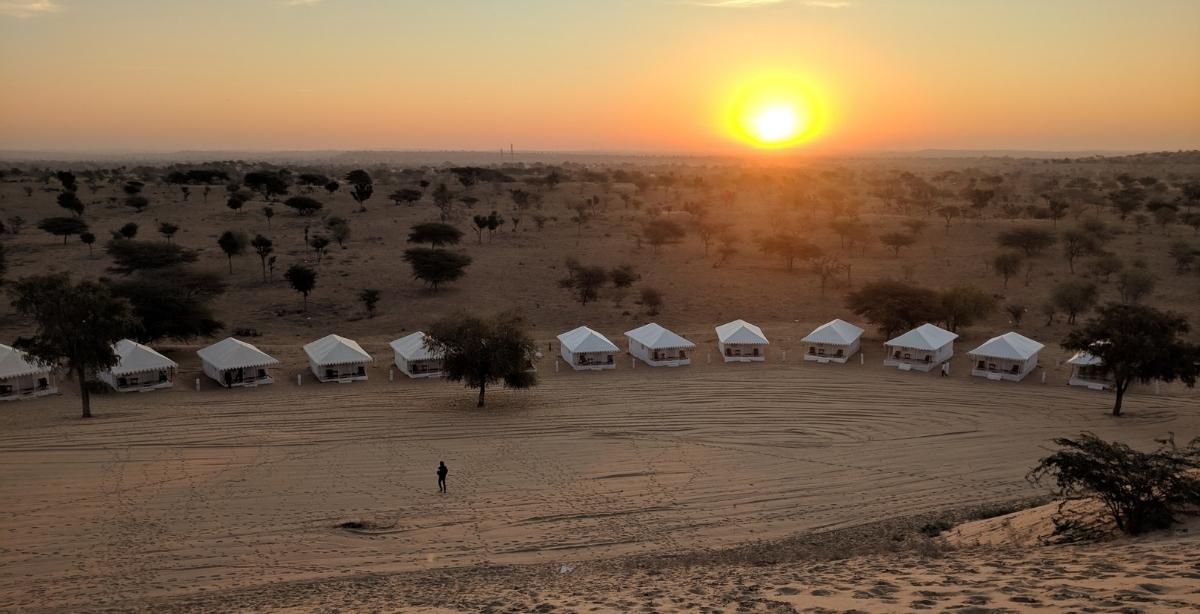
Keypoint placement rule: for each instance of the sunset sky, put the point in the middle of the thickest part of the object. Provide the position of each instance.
(588, 75)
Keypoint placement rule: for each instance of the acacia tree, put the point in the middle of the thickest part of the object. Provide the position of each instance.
(659, 232)
(1137, 343)
(437, 234)
(63, 226)
(444, 199)
(963, 305)
(77, 325)
(303, 205)
(233, 243)
(1074, 297)
(895, 305)
(303, 279)
(948, 213)
(586, 281)
(168, 230)
(789, 248)
(369, 297)
(897, 241)
(70, 201)
(1032, 241)
(1077, 242)
(1007, 264)
(263, 247)
(480, 352)
(1140, 491)
(435, 267)
(361, 187)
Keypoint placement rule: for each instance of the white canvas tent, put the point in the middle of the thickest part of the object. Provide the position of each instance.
(232, 362)
(834, 341)
(741, 341)
(587, 350)
(1086, 372)
(21, 377)
(922, 348)
(659, 347)
(414, 359)
(1010, 356)
(139, 369)
(334, 358)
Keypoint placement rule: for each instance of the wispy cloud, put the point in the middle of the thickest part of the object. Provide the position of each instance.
(28, 8)
(747, 4)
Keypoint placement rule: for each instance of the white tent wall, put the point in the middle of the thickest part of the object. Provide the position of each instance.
(672, 357)
(419, 368)
(1089, 376)
(1009, 369)
(916, 359)
(153, 379)
(743, 352)
(589, 361)
(829, 352)
(350, 372)
(28, 386)
(238, 377)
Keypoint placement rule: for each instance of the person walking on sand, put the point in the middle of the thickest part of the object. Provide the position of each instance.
(442, 471)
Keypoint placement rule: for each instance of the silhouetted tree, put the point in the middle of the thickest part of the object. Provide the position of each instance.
(585, 281)
(1137, 343)
(1078, 242)
(303, 205)
(370, 299)
(87, 239)
(443, 198)
(168, 230)
(894, 306)
(63, 226)
(1074, 297)
(172, 303)
(268, 184)
(652, 300)
(435, 267)
(70, 201)
(1135, 284)
(481, 352)
(130, 256)
(405, 195)
(139, 203)
(1007, 264)
(963, 305)
(339, 230)
(361, 187)
(437, 234)
(319, 244)
(263, 247)
(1030, 240)
(76, 325)
(268, 212)
(897, 241)
(233, 243)
(303, 280)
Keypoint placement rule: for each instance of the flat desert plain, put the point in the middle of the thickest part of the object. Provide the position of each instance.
(178, 498)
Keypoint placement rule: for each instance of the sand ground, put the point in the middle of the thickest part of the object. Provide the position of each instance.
(172, 495)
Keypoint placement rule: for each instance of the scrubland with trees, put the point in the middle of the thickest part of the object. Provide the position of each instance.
(287, 250)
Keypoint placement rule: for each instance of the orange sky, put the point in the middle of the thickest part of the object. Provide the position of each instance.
(624, 75)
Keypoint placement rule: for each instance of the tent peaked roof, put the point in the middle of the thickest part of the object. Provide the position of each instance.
(1085, 359)
(656, 337)
(836, 332)
(230, 353)
(584, 339)
(15, 363)
(1013, 346)
(412, 347)
(924, 337)
(336, 350)
(741, 331)
(134, 357)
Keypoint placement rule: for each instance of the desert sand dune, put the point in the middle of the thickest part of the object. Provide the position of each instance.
(172, 494)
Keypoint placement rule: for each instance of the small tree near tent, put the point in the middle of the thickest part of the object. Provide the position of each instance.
(481, 352)
(652, 300)
(302, 279)
(586, 281)
(76, 325)
(1007, 264)
(1136, 343)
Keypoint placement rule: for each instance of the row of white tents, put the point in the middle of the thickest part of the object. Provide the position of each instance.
(235, 363)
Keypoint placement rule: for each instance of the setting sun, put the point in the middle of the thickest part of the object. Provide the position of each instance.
(773, 112)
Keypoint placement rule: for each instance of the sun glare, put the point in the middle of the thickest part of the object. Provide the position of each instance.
(773, 113)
